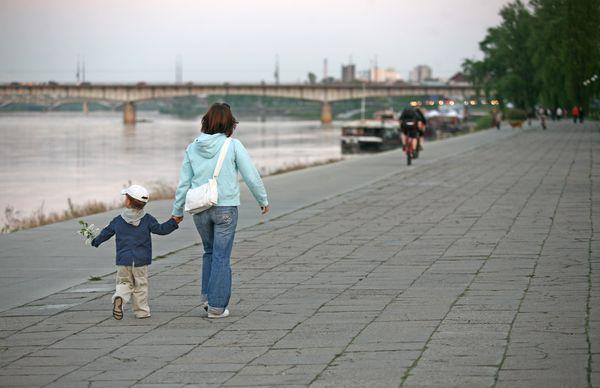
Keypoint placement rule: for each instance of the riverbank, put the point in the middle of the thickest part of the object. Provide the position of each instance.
(158, 191)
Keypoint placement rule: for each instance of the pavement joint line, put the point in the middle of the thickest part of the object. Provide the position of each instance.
(370, 183)
(287, 290)
(524, 294)
(132, 340)
(408, 172)
(413, 281)
(283, 292)
(330, 299)
(589, 274)
(506, 191)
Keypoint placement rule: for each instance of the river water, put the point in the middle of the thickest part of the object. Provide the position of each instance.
(46, 158)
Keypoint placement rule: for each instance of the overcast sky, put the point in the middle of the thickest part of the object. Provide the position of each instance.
(235, 40)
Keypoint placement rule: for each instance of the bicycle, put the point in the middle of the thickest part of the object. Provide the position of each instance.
(409, 149)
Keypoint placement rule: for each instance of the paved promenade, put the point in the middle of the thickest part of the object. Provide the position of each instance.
(481, 269)
(41, 261)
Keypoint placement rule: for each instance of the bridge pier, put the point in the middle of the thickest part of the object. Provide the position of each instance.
(129, 113)
(326, 113)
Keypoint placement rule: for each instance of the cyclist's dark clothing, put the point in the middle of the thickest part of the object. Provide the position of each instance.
(422, 119)
(409, 122)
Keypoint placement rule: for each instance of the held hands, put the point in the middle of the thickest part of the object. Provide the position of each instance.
(263, 210)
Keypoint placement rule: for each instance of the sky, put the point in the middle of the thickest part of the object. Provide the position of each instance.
(235, 40)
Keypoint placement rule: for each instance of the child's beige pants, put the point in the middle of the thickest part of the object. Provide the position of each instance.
(133, 282)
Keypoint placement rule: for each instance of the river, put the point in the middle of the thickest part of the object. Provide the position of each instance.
(46, 158)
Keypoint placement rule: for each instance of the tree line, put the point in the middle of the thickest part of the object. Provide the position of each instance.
(544, 52)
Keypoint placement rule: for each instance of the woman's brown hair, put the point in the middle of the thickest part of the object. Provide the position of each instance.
(219, 119)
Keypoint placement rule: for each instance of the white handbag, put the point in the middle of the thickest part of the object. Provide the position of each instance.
(206, 196)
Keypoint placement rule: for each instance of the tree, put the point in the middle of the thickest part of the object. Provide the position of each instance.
(567, 45)
(544, 52)
(312, 78)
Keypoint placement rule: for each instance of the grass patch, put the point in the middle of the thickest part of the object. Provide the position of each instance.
(159, 190)
(15, 221)
(94, 278)
(484, 122)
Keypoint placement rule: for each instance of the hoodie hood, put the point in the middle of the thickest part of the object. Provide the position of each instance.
(209, 145)
(133, 216)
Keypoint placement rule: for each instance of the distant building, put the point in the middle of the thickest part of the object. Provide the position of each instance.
(420, 74)
(363, 75)
(348, 73)
(379, 75)
(459, 79)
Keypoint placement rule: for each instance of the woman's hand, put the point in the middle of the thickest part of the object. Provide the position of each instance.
(177, 219)
(265, 209)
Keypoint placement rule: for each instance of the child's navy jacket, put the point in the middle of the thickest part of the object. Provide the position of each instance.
(134, 245)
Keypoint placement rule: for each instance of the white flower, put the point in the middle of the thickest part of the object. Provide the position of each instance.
(87, 231)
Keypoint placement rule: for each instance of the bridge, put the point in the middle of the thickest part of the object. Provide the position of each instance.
(129, 94)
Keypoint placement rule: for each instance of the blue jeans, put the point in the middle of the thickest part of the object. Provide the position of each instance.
(217, 230)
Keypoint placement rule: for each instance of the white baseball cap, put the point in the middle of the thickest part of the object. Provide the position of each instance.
(137, 192)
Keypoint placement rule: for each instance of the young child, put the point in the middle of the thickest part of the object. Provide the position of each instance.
(134, 250)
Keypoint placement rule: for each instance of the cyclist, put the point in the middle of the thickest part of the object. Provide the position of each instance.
(421, 124)
(409, 125)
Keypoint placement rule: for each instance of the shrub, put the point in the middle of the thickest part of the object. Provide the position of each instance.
(516, 115)
(484, 122)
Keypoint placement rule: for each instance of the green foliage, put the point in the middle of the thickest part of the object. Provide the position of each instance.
(484, 122)
(541, 53)
(516, 115)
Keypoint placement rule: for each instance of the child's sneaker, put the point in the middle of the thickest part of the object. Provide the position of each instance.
(224, 314)
(118, 308)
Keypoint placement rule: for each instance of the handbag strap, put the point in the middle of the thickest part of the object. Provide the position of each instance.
(222, 154)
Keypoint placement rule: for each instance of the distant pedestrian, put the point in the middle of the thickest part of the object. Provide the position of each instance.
(217, 224)
(134, 250)
(498, 118)
(575, 114)
(542, 117)
(559, 113)
(581, 115)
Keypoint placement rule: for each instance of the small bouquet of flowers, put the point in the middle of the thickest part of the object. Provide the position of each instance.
(88, 231)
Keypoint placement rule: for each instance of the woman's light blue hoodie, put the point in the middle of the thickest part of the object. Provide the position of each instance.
(199, 164)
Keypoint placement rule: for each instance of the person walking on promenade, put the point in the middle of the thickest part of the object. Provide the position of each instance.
(498, 118)
(575, 114)
(217, 224)
(542, 116)
(581, 115)
(559, 113)
(134, 250)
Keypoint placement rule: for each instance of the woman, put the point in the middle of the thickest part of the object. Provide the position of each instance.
(217, 224)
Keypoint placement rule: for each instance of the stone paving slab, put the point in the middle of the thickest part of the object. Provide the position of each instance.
(478, 270)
